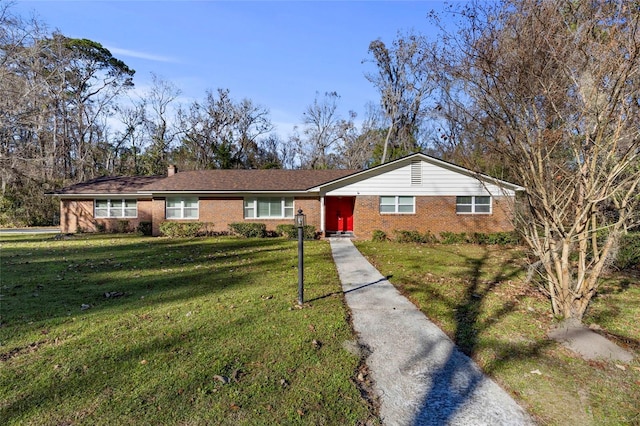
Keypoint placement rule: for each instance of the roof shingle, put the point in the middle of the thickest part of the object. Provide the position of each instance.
(236, 180)
(246, 180)
(110, 185)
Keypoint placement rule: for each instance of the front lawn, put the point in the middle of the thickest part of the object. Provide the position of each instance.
(113, 329)
(477, 295)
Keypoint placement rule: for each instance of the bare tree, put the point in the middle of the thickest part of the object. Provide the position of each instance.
(159, 122)
(322, 133)
(357, 150)
(128, 141)
(252, 123)
(222, 133)
(553, 88)
(404, 79)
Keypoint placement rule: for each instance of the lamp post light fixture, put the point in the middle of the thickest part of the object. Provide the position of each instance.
(301, 221)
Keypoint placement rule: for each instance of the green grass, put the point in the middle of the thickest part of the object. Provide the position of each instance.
(192, 314)
(476, 294)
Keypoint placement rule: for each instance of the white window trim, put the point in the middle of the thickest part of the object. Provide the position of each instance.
(122, 209)
(473, 204)
(181, 208)
(254, 201)
(396, 204)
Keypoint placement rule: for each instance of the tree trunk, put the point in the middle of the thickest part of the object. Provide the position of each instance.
(386, 144)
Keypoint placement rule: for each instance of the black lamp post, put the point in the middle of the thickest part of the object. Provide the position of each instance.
(301, 221)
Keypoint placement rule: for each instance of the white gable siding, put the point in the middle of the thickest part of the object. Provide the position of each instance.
(436, 181)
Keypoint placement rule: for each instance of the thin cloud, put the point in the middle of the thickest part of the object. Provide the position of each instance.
(140, 55)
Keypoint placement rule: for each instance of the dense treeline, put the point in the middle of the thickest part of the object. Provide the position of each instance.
(68, 114)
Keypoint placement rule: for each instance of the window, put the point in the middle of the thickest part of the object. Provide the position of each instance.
(473, 204)
(115, 208)
(182, 208)
(268, 207)
(397, 204)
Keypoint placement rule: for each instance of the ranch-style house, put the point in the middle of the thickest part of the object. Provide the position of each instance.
(417, 192)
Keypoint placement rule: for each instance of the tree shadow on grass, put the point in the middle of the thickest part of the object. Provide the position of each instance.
(205, 335)
(455, 382)
(53, 281)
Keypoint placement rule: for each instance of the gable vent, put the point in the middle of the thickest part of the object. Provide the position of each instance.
(416, 172)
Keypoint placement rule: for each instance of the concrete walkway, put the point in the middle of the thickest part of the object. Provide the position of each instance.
(419, 375)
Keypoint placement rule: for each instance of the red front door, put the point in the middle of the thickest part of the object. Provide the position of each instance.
(339, 214)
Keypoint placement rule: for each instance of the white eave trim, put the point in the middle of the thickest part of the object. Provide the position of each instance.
(237, 193)
(98, 195)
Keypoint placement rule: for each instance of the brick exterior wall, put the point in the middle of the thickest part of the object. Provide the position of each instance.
(77, 216)
(157, 210)
(220, 212)
(434, 214)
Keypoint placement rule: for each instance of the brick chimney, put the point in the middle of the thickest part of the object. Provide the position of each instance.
(172, 170)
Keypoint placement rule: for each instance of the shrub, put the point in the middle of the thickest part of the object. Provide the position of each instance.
(479, 238)
(453, 238)
(407, 236)
(180, 229)
(403, 236)
(504, 238)
(290, 231)
(310, 232)
(379, 235)
(287, 230)
(429, 238)
(249, 230)
(629, 251)
(207, 230)
(122, 226)
(145, 228)
(100, 227)
(495, 238)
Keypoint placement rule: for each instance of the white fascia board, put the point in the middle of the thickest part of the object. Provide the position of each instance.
(232, 193)
(97, 195)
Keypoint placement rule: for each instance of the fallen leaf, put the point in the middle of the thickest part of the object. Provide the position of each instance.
(235, 376)
(621, 367)
(536, 372)
(235, 407)
(300, 412)
(143, 362)
(222, 379)
(312, 328)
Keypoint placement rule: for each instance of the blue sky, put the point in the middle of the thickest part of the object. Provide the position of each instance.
(276, 53)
